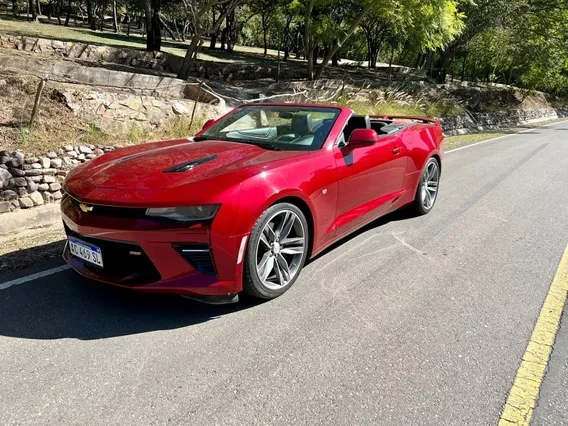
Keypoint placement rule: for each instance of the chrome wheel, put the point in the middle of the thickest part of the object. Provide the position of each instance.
(280, 250)
(429, 184)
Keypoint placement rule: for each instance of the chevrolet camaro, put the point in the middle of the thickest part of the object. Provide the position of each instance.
(241, 206)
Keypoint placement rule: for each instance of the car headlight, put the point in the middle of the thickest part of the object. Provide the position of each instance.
(185, 214)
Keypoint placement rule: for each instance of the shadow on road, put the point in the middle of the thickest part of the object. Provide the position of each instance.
(65, 305)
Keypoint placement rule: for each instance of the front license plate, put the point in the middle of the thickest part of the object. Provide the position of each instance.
(86, 251)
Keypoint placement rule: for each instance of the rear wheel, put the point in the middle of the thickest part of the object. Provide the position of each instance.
(427, 191)
(276, 251)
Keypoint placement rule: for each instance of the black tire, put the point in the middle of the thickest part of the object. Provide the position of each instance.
(252, 284)
(418, 206)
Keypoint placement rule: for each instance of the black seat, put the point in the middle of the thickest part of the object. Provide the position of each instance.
(356, 122)
(302, 124)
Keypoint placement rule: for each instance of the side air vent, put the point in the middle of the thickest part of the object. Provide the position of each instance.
(183, 167)
(198, 256)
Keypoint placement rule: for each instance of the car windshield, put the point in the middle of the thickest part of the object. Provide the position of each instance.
(275, 127)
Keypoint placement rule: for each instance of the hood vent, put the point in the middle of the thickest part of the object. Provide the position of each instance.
(190, 165)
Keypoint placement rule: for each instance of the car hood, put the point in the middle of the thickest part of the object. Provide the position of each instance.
(172, 164)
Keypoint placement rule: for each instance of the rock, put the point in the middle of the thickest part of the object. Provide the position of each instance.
(15, 162)
(62, 172)
(26, 166)
(31, 160)
(61, 152)
(22, 191)
(57, 195)
(43, 187)
(60, 179)
(48, 179)
(72, 154)
(20, 181)
(17, 172)
(51, 155)
(5, 207)
(36, 198)
(56, 163)
(99, 151)
(8, 195)
(45, 162)
(180, 109)
(36, 166)
(32, 186)
(3, 166)
(68, 148)
(5, 175)
(91, 147)
(54, 187)
(50, 172)
(85, 150)
(36, 179)
(48, 197)
(4, 159)
(26, 203)
(81, 157)
(75, 162)
(19, 155)
(91, 156)
(34, 172)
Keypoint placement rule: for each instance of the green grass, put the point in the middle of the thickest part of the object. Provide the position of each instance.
(51, 30)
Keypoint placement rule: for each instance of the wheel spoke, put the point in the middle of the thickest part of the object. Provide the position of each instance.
(265, 266)
(264, 240)
(283, 267)
(279, 274)
(269, 232)
(286, 225)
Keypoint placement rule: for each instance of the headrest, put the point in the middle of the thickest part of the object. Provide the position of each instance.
(360, 122)
(302, 124)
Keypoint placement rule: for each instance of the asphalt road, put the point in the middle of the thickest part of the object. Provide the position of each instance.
(413, 321)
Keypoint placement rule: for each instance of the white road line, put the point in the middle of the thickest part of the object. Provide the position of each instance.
(502, 137)
(35, 276)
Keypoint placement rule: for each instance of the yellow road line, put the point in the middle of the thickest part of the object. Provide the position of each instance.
(523, 395)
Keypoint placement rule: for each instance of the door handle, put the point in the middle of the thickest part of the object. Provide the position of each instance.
(396, 150)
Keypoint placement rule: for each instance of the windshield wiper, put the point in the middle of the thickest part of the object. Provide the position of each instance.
(200, 138)
(262, 144)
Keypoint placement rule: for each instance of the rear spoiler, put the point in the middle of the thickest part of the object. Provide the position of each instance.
(408, 117)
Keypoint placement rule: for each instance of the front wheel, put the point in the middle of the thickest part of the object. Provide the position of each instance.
(427, 191)
(276, 252)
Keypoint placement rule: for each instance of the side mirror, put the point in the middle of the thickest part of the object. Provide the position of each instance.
(363, 137)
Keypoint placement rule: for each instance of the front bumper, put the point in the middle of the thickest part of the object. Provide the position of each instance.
(147, 256)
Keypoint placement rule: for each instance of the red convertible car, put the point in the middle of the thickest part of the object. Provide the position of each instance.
(243, 205)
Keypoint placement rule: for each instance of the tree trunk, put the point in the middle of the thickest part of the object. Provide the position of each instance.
(264, 31)
(15, 9)
(231, 31)
(38, 7)
(340, 42)
(286, 39)
(335, 60)
(68, 16)
(32, 5)
(308, 38)
(90, 15)
(153, 30)
(58, 8)
(114, 16)
(214, 35)
(464, 67)
(167, 27)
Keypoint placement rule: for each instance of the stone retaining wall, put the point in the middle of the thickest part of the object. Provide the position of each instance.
(159, 61)
(29, 181)
(472, 122)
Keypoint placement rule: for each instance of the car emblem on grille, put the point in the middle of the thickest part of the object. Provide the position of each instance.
(85, 208)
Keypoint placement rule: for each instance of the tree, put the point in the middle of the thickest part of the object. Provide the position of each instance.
(153, 29)
(196, 10)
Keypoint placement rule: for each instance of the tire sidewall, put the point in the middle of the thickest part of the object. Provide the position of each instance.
(252, 283)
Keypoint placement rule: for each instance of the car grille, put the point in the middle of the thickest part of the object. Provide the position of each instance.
(198, 256)
(124, 263)
(108, 211)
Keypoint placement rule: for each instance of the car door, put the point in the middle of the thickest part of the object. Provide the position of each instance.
(370, 179)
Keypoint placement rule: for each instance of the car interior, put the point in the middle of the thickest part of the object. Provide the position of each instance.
(305, 130)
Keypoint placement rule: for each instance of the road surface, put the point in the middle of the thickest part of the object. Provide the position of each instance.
(412, 321)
